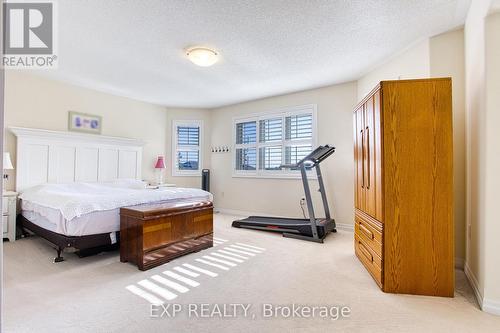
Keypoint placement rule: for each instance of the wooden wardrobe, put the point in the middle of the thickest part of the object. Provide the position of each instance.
(403, 150)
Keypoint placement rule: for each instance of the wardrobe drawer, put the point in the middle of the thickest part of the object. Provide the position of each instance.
(370, 259)
(369, 233)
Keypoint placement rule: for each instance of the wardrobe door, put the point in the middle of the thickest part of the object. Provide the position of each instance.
(370, 199)
(372, 158)
(377, 156)
(359, 152)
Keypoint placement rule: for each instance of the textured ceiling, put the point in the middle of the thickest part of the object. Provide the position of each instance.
(269, 47)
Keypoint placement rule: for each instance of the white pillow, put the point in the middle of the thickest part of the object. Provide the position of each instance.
(127, 183)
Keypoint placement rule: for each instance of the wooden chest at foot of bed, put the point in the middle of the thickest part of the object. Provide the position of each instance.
(153, 234)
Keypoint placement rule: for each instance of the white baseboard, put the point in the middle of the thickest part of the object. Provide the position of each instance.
(474, 284)
(345, 227)
(491, 306)
(240, 212)
(459, 263)
(487, 305)
(341, 226)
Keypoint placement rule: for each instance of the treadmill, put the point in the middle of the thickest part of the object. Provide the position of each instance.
(311, 229)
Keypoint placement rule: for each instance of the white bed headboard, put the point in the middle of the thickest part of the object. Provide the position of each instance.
(45, 156)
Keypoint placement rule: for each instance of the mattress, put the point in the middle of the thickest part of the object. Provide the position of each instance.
(90, 224)
(98, 222)
(82, 209)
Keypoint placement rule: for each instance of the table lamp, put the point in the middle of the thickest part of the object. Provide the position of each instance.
(159, 166)
(7, 165)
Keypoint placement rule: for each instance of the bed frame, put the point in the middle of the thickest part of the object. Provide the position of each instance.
(44, 156)
(86, 245)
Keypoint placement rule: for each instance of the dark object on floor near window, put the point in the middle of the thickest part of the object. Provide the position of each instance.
(205, 180)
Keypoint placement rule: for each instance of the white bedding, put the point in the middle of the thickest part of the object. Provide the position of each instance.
(107, 221)
(90, 208)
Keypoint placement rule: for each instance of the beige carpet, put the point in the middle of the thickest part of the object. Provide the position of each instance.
(91, 295)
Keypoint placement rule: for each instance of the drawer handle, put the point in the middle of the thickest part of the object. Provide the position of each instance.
(365, 252)
(366, 231)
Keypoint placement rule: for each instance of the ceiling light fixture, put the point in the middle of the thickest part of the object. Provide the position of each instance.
(202, 56)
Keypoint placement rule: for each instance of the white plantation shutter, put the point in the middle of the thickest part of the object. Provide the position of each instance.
(188, 160)
(246, 139)
(298, 127)
(246, 159)
(298, 134)
(293, 154)
(263, 143)
(186, 140)
(188, 136)
(246, 132)
(270, 158)
(271, 130)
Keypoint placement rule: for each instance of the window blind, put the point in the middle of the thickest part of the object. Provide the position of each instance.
(298, 127)
(271, 130)
(264, 142)
(246, 132)
(188, 160)
(188, 136)
(270, 158)
(246, 159)
(293, 154)
(187, 155)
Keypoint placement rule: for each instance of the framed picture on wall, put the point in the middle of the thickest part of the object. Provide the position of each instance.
(82, 122)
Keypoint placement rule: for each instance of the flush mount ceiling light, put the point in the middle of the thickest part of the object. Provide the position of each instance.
(202, 56)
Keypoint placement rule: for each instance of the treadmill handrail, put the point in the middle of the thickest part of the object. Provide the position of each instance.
(317, 156)
(289, 166)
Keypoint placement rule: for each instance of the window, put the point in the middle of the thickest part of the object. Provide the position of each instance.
(186, 140)
(264, 142)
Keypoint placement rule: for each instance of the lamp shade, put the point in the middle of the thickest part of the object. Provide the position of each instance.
(160, 163)
(7, 162)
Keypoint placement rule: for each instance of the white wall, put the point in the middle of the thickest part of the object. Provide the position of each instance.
(446, 58)
(411, 63)
(281, 196)
(32, 101)
(475, 95)
(188, 114)
(475, 121)
(492, 249)
(482, 63)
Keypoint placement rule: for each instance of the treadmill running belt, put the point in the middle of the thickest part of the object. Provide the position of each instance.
(299, 226)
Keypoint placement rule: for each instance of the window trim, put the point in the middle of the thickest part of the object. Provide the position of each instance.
(282, 112)
(186, 173)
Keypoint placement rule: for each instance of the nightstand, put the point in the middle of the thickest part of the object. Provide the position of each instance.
(166, 185)
(9, 215)
(157, 186)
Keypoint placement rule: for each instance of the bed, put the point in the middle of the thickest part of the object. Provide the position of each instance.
(86, 216)
(72, 186)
